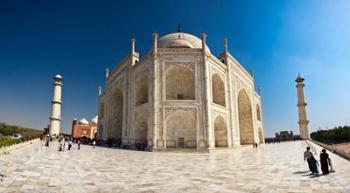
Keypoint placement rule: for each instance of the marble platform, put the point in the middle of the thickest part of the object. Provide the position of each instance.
(272, 168)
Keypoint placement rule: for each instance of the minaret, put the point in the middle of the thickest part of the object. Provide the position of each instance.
(99, 91)
(107, 73)
(55, 118)
(155, 99)
(303, 122)
(134, 55)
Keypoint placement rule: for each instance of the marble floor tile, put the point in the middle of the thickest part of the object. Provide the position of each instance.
(270, 168)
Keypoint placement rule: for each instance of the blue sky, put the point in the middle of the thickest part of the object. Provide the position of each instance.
(79, 39)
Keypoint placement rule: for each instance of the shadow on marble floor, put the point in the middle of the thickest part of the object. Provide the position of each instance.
(301, 172)
(307, 174)
(315, 175)
(2, 176)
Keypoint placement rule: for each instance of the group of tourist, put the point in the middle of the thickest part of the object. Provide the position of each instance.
(65, 143)
(326, 162)
(45, 139)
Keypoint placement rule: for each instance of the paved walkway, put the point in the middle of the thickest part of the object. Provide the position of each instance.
(273, 168)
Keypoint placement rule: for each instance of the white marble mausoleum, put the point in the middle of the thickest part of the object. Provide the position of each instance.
(180, 95)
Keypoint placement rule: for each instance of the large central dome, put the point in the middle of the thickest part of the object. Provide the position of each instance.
(180, 40)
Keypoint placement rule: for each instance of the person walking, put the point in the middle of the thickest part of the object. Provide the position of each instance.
(93, 144)
(313, 166)
(325, 162)
(42, 140)
(63, 143)
(70, 143)
(79, 142)
(307, 156)
(47, 140)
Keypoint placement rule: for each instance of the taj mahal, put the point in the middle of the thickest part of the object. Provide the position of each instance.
(179, 95)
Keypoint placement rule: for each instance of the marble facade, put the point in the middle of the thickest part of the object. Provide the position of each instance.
(180, 96)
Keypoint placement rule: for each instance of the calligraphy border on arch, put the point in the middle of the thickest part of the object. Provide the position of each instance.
(170, 110)
(190, 65)
(221, 75)
(216, 113)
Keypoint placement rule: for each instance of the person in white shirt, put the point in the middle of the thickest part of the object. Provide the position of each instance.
(308, 156)
(93, 144)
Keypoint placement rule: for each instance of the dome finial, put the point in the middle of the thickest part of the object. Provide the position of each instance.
(179, 28)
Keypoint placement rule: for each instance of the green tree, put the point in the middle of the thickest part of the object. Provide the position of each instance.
(339, 134)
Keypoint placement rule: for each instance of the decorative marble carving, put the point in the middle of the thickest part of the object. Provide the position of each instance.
(190, 65)
(169, 110)
(218, 113)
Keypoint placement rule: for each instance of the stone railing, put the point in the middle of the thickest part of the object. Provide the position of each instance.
(331, 149)
(8, 149)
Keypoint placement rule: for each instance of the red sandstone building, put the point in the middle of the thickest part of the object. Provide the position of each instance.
(84, 129)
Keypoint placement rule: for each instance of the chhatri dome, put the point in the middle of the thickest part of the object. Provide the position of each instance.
(83, 121)
(94, 120)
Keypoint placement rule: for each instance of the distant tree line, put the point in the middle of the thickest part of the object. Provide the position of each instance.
(339, 134)
(6, 131)
(6, 141)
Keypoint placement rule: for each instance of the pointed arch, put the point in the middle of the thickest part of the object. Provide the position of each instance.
(180, 83)
(218, 89)
(141, 129)
(117, 104)
(181, 130)
(220, 132)
(102, 110)
(245, 118)
(141, 85)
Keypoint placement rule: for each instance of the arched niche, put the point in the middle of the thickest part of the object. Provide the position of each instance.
(102, 110)
(220, 130)
(180, 83)
(141, 85)
(141, 127)
(181, 130)
(218, 88)
(245, 118)
(117, 104)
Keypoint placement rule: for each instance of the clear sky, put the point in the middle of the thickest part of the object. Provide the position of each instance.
(79, 40)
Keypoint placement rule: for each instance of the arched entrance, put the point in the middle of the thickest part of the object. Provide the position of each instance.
(220, 130)
(102, 110)
(245, 118)
(180, 83)
(181, 130)
(141, 129)
(218, 88)
(141, 85)
(116, 128)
